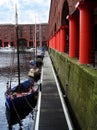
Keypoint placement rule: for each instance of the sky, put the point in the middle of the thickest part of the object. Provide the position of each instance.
(29, 11)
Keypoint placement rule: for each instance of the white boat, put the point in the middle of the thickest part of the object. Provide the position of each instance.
(7, 49)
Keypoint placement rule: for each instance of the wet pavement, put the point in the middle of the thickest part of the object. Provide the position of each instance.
(52, 116)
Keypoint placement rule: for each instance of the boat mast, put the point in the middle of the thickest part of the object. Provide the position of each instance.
(17, 41)
(35, 40)
(40, 35)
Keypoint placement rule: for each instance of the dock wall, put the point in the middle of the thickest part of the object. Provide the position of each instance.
(79, 83)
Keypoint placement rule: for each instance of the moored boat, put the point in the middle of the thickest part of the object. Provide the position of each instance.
(40, 52)
(20, 101)
(22, 98)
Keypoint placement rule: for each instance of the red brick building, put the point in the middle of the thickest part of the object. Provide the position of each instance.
(26, 33)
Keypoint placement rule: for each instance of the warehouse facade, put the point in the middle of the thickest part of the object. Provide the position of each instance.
(26, 33)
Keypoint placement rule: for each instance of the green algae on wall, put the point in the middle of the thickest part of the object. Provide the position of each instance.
(81, 90)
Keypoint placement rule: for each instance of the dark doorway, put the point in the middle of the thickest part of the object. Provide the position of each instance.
(0, 43)
(95, 44)
(65, 22)
(22, 43)
(96, 37)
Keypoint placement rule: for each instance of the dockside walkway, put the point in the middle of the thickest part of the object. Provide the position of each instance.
(52, 113)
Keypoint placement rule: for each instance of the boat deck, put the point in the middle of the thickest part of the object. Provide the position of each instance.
(51, 114)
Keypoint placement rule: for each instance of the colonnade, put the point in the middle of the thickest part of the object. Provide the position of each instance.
(81, 41)
(58, 40)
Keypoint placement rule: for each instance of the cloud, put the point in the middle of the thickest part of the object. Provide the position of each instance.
(27, 11)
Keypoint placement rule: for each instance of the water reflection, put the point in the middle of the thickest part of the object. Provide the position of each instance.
(5, 70)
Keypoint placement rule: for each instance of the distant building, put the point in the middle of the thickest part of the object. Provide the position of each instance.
(26, 33)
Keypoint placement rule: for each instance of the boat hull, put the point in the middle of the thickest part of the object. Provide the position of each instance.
(18, 108)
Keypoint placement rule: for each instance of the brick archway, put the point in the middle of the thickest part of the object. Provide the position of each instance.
(0, 43)
(65, 23)
(64, 13)
(23, 43)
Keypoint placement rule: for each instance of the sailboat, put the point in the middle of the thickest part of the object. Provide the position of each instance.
(21, 99)
(37, 62)
(39, 51)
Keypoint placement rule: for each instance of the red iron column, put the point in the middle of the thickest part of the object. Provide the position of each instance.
(2, 43)
(62, 39)
(59, 40)
(28, 44)
(74, 35)
(54, 40)
(86, 32)
(2, 37)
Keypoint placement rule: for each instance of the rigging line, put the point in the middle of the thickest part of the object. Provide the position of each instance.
(12, 65)
(29, 104)
(16, 111)
(25, 56)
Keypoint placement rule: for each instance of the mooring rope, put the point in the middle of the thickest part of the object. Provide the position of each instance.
(16, 111)
(29, 103)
